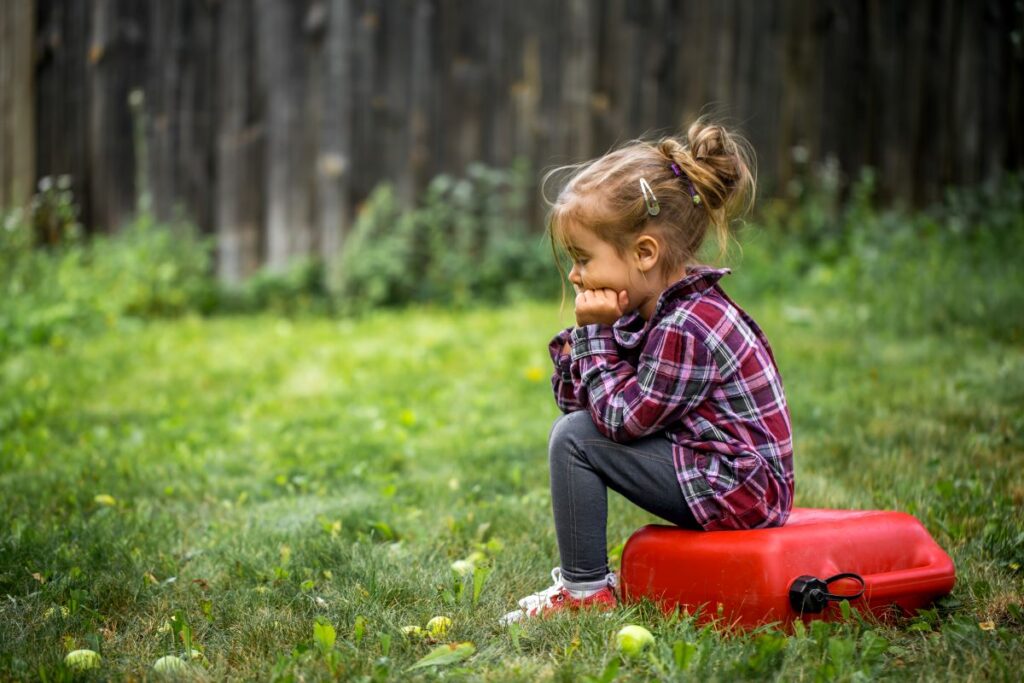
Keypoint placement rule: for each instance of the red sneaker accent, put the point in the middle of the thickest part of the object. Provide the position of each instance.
(603, 600)
(557, 597)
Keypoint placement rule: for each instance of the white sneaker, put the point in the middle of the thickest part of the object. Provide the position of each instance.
(557, 597)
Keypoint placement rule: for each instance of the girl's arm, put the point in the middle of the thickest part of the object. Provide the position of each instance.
(674, 374)
(561, 379)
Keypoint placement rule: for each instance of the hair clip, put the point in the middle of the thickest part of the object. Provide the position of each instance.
(679, 174)
(653, 208)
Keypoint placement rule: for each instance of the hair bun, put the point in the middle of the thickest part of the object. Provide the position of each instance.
(723, 161)
(672, 149)
(708, 140)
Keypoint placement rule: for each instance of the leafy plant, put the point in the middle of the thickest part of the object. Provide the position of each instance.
(935, 270)
(466, 241)
(148, 270)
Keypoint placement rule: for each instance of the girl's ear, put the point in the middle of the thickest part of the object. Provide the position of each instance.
(648, 251)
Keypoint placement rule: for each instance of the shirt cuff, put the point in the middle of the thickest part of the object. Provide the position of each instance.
(562, 361)
(593, 340)
(556, 344)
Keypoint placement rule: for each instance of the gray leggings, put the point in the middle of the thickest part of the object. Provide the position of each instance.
(584, 465)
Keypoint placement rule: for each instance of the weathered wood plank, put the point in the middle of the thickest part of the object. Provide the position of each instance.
(17, 92)
(286, 222)
(334, 164)
(238, 205)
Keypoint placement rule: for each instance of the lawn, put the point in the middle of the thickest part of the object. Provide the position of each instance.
(291, 493)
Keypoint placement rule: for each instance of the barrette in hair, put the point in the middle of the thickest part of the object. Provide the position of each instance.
(653, 208)
(679, 174)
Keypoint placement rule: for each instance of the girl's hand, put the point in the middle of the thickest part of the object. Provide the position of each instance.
(603, 306)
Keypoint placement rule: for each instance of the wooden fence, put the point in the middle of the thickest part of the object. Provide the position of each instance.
(269, 121)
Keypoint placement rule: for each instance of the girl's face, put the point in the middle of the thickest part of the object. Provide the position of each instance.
(596, 264)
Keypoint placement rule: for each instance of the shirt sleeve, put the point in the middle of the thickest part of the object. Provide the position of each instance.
(673, 376)
(561, 379)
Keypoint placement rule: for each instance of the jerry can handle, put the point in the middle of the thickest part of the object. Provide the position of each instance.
(809, 594)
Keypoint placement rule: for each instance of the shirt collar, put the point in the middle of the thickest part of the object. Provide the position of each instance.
(631, 329)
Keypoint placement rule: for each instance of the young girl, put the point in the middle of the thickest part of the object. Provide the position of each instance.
(670, 390)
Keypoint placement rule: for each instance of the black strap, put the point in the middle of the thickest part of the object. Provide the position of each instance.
(809, 594)
(845, 575)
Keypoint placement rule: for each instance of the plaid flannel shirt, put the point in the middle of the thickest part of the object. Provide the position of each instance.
(702, 371)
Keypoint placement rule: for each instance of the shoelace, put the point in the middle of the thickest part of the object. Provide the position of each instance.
(538, 600)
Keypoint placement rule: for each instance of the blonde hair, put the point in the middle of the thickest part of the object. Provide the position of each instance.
(604, 194)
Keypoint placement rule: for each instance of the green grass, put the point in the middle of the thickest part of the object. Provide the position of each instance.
(269, 472)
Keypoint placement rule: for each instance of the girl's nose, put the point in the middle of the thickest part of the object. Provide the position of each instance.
(574, 276)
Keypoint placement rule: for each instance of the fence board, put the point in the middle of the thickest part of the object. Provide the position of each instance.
(17, 124)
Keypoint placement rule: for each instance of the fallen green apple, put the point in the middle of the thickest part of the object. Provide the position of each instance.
(438, 626)
(81, 660)
(170, 664)
(632, 639)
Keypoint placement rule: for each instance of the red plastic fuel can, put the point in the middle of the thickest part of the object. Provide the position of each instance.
(753, 577)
